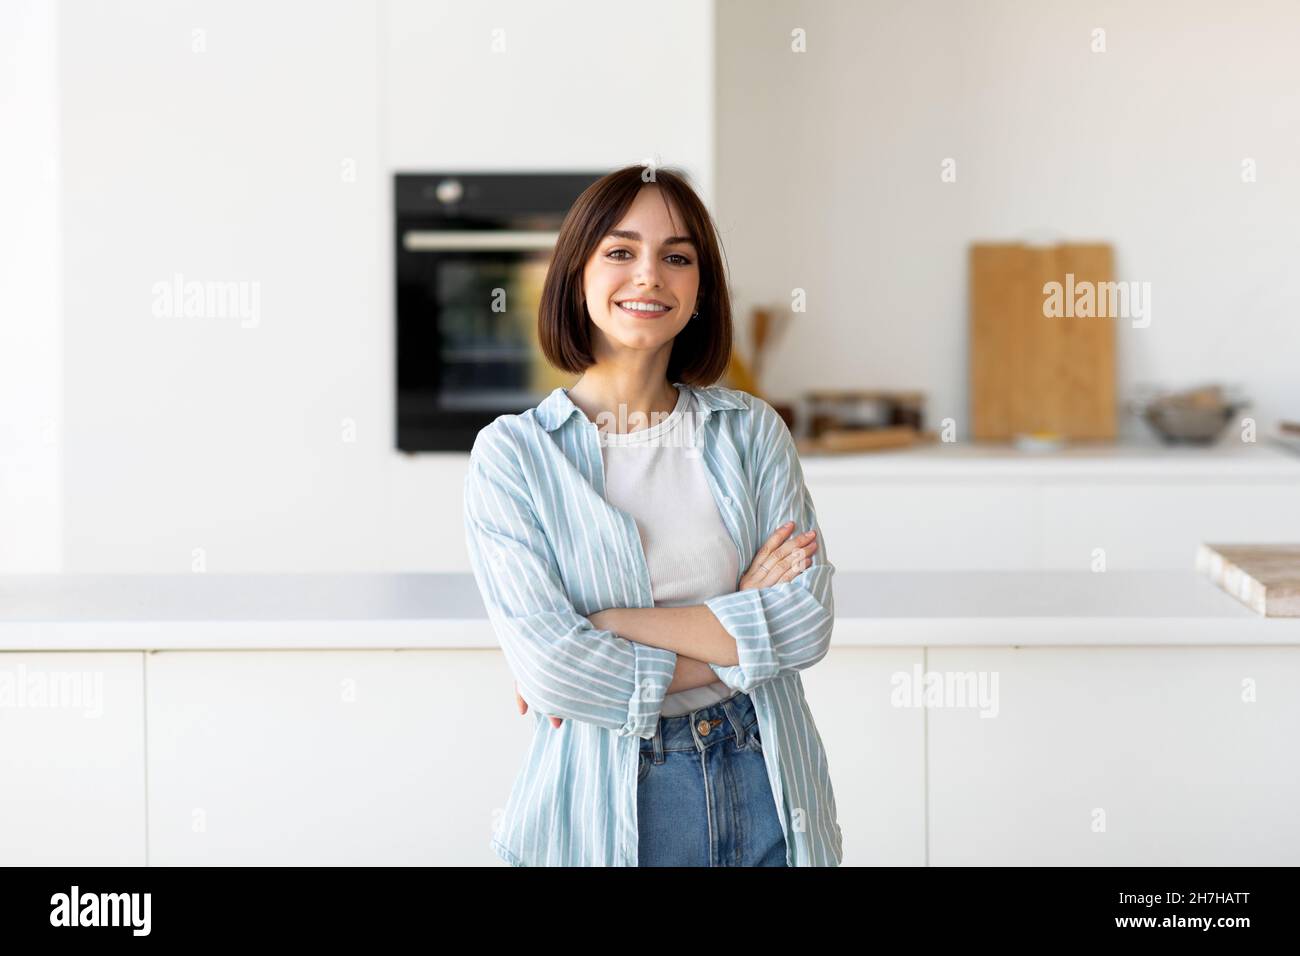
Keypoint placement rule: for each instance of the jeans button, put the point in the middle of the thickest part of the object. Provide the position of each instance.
(703, 727)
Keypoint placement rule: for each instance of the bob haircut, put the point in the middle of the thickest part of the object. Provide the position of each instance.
(701, 351)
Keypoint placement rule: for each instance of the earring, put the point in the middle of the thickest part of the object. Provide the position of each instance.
(695, 314)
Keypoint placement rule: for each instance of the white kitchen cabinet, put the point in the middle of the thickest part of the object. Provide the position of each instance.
(259, 719)
(1124, 756)
(364, 757)
(940, 508)
(258, 758)
(72, 784)
(928, 525)
(875, 751)
(1150, 526)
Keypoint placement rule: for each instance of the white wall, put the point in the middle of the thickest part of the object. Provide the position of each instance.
(190, 436)
(30, 362)
(230, 164)
(829, 178)
(580, 84)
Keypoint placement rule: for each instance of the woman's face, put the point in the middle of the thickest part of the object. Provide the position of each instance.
(648, 257)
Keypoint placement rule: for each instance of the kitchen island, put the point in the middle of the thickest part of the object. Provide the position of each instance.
(982, 717)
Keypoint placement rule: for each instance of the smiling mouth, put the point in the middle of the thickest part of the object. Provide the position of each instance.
(643, 310)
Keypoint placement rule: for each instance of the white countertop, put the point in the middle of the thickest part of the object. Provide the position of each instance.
(1228, 458)
(444, 611)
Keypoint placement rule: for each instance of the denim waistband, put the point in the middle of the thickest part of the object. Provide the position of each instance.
(732, 718)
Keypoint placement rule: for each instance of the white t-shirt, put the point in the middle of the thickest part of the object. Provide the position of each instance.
(657, 475)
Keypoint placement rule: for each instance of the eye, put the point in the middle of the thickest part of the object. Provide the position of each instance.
(611, 254)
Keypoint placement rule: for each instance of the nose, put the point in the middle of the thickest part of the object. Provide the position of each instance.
(647, 274)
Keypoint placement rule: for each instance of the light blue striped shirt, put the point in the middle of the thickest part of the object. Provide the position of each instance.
(547, 549)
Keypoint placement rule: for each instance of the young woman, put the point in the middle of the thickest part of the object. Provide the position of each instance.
(608, 528)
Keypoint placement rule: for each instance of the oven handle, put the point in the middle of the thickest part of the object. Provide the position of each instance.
(462, 240)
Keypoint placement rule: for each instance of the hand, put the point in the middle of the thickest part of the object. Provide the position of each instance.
(778, 562)
(523, 706)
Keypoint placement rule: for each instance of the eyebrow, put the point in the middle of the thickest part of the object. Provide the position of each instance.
(636, 237)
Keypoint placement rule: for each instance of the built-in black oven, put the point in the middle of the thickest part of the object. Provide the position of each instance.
(472, 251)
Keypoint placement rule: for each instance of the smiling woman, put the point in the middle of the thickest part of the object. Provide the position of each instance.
(607, 529)
(666, 252)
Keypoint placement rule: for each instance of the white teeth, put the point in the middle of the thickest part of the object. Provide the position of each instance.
(643, 307)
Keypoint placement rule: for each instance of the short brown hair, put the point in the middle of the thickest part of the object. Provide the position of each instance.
(702, 349)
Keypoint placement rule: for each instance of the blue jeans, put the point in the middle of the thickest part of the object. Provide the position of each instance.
(703, 798)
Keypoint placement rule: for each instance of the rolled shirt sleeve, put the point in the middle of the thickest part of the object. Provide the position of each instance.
(784, 626)
(564, 665)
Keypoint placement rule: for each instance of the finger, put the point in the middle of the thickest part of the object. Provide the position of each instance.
(777, 536)
(792, 572)
(770, 566)
(779, 561)
(556, 721)
(766, 566)
(799, 565)
(773, 574)
(794, 563)
(757, 573)
(520, 703)
(782, 553)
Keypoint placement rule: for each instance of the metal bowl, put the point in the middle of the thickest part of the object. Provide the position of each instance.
(1180, 424)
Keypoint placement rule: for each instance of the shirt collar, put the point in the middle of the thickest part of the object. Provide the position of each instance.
(557, 408)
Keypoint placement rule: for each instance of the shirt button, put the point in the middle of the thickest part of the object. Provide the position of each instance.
(703, 727)
(726, 500)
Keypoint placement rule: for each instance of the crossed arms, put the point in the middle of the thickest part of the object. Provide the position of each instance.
(614, 667)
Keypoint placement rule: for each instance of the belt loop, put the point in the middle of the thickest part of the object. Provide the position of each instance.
(737, 724)
(659, 741)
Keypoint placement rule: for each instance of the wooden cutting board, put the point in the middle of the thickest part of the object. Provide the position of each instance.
(1030, 372)
(1264, 577)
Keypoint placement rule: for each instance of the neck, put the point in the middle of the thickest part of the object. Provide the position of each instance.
(621, 399)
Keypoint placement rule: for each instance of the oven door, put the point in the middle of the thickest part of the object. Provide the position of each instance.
(467, 347)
